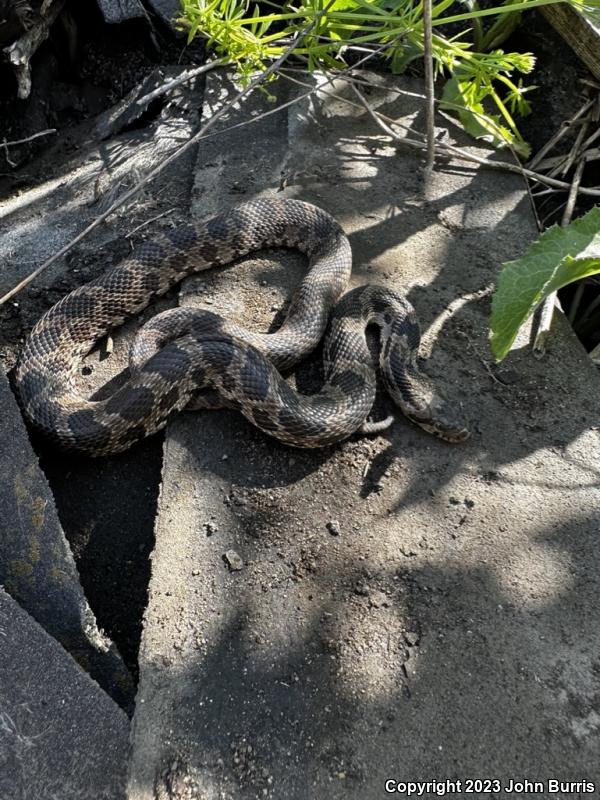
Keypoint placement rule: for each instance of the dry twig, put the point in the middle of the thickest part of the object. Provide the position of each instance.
(545, 323)
(188, 75)
(6, 144)
(562, 131)
(429, 87)
(448, 149)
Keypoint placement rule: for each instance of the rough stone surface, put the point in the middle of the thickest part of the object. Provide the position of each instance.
(167, 10)
(36, 564)
(450, 631)
(115, 11)
(61, 736)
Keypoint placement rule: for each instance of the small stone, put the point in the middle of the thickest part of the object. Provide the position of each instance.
(362, 589)
(210, 528)
(195, 572)
(233, 560)
(411, 638)
(378, 599)
(508, 376)
(454, 501)
(469, 503)
(333, 526)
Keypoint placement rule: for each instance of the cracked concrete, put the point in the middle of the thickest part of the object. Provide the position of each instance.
(405, 609)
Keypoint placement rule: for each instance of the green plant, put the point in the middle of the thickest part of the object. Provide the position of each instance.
(481, 88)
(560, 256)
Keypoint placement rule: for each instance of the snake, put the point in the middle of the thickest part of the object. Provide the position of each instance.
(193, 358)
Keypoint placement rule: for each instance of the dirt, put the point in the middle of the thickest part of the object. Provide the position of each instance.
(107, 506)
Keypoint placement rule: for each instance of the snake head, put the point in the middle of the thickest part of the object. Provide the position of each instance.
(437, 416)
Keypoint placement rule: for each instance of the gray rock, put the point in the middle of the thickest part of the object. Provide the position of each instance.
(233, 560)
(36, 563)
(60, 734)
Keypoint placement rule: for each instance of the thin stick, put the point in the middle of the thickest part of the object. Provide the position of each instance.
(539, 343)
(47, 132)
(550, 144)
(385, 122)
(149, 222)
(183, 78)
(176, 154)
(6, 144)
(575, 150)
(429, 87)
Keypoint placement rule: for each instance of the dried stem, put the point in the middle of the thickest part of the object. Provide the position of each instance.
(545, 323)
(6, 144)
(429, 86)
(188, 75)
(564, 128)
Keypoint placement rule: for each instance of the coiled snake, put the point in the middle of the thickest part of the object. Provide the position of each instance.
(195, 358)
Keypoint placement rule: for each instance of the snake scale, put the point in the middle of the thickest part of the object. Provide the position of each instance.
(194, 358)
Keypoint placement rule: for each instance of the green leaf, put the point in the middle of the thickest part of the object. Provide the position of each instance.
(559, 257)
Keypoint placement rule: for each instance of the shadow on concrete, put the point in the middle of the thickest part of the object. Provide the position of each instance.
(496, 682)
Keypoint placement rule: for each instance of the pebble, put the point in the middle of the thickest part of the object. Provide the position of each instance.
(378, 599)
(333, 526)
(210, 528)
(411, 638)
(233, 560)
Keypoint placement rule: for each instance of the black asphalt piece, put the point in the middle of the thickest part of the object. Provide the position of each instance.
(60, 734)
(36, 564)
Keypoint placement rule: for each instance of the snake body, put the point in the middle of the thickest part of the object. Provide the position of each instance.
(195, 358)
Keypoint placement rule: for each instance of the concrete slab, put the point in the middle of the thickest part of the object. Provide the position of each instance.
(106, 505)
(36, 564)
(60, 734)
(405, 609)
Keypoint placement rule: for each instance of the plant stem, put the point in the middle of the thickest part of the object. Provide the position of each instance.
(429, 87)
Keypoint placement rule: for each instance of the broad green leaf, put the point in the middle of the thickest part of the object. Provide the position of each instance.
(559, 257)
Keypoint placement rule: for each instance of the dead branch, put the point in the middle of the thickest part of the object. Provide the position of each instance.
(6, 144)
(20, 52)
